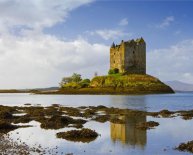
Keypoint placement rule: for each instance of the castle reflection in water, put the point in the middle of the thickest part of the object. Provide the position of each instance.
(127, 133)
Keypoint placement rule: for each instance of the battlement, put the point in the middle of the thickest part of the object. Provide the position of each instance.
(129, 56)
(129, 42)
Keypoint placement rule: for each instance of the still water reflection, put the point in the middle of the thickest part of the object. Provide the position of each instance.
(127, 133)
(115, 138)
(178, 101)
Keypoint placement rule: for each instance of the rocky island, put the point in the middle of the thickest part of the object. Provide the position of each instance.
(127, 74)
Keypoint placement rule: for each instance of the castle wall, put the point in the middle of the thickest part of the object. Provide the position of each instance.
(130, 54)
(129, 57)
(141, 58)
(116, 57)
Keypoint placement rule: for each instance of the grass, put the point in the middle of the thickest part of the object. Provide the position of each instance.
(119, 84)
(128, 83)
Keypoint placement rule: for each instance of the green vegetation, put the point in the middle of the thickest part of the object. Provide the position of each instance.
(113, 71)
(85, 83)
(76, 78)
(114, 83)
(74, 82)
(132, 83)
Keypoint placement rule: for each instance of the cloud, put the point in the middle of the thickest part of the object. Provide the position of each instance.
(173, 63)
(29, 58)
(29, 62)
(166, 22)
(123, 22)
(35, 14)
(108, 34)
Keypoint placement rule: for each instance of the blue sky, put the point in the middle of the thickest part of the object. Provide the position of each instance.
(144, 19)
(42, 41)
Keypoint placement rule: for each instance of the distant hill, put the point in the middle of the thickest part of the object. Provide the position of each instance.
(180, 86)
(29, 90)
(42, 89)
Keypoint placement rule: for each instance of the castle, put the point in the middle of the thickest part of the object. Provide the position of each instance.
(129, 57)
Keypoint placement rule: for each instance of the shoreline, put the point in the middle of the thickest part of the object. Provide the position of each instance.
(76, 118)
(105, 91)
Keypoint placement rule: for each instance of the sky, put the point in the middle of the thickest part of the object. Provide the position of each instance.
(42, 41)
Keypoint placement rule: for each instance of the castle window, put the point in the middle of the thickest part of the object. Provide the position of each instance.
(114, 62)
(133, 52)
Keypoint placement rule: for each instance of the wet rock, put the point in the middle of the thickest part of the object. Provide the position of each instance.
(55, 105)
(57, 122)
(187, 115)
(5, 115)
(165, 113)
(88, 113)
(22, 119)
(147, 125)
(83, 135)
(6, 127)
(71, 111)
(186, 147)
(27, 104)
(101, 118)
(116, 120)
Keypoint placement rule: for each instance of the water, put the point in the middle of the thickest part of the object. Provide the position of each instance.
(115, 138)
(178, 101)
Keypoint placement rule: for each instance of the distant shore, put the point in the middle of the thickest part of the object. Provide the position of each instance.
(13, 91)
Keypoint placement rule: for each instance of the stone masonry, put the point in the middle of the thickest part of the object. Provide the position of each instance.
(129, 57)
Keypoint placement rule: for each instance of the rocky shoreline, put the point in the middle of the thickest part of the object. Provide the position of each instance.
(58, 117)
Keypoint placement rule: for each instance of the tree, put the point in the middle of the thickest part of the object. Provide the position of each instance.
(71, 81)
(76, 78)
(113, 71)
(85, 83)
(67, 80)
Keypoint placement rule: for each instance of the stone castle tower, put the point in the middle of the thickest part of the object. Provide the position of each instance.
(129, 56)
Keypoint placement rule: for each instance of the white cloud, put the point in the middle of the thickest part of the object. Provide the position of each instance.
(39, 62)
(108, 34)
(34, 59)
(35, 14)
(173, 63)
(123, 22)
(166, 22)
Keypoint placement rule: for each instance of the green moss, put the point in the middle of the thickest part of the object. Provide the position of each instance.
(129, 83)
(73, 85)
